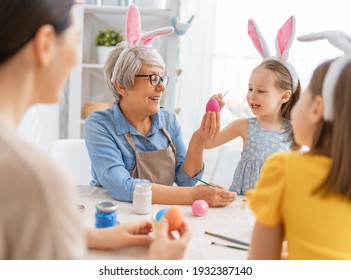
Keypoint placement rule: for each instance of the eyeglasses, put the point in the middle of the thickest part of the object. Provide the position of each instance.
(155, 79)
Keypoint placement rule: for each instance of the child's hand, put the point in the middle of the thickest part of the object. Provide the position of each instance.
(134, 233)
(219, 98)
(285, 252)
(165, 247)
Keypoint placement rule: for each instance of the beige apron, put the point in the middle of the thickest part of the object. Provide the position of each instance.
(156, 166)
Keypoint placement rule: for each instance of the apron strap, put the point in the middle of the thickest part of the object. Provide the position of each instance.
(130, 141)
(165, 131)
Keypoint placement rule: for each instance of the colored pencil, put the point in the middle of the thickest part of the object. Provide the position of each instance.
(208, 184)
(228, 238)
(230, 246)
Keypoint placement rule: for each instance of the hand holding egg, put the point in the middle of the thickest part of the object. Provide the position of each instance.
(213, 105)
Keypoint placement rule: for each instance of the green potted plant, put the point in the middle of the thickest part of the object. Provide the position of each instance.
(106, 40)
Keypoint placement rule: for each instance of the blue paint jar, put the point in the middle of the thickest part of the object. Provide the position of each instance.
(106, 214)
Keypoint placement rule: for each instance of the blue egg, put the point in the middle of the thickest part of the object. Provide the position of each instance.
(160, 214)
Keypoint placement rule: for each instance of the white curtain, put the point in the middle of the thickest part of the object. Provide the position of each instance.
(195, 61)
(217, 54)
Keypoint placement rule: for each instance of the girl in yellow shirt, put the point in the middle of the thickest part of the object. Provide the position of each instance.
(306, 198)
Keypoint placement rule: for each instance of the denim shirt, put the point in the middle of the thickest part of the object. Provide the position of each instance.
(113, 158)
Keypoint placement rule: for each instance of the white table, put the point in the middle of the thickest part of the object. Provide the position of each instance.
(233, 221)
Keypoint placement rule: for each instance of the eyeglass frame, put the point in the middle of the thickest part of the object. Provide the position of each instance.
(160, 78)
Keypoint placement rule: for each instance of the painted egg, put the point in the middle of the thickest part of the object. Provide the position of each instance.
(212, 106)
(160, 214)
(199, 207)
(174, 217)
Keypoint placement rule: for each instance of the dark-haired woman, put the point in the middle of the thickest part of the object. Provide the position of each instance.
(38, 220)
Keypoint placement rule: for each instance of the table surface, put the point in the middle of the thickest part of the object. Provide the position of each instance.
(233, 221)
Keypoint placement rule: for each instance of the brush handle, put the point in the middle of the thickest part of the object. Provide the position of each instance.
(208, 184)
(228, 239)
(234, 240)
(230, 246)
(225, 94)
(238, 248)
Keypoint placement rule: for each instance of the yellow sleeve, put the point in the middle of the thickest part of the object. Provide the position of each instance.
(266, 198)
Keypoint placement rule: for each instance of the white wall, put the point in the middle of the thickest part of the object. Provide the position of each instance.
(40, 125)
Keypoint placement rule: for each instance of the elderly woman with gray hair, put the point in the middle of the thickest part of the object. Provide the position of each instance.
(140, 141)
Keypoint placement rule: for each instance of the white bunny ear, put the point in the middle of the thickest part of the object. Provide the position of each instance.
(343, 42)
(147, 37)
(133, 26)
(337, 38)
(285, 38)
(257, 39)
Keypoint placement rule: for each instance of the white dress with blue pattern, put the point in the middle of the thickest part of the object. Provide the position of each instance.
(260, 144)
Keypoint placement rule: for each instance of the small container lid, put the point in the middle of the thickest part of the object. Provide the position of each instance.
(142, 188)
(106, 206)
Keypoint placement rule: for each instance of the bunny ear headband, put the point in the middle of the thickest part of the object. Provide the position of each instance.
(343, 42)
(134, 36)
(283, 43)
(133, 29)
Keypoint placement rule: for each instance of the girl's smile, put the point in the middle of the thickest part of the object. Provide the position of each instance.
(255, 106)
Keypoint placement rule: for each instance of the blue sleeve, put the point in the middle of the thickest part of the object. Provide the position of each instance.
(109, 168)
(182, 179)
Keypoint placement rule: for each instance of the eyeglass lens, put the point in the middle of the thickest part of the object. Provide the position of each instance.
(156, 79)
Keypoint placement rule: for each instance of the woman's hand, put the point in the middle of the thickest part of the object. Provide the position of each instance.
(135, 233)
(215, 197)
(209, 128)
(165, 247)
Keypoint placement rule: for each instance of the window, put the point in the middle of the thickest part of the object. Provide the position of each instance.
(229, 60)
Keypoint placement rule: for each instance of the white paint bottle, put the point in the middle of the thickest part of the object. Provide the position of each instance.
(142, 198)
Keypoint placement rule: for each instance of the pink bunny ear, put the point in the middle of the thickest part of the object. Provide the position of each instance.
(285, 38)
(257, 39)
(133, 25)
(147, 38)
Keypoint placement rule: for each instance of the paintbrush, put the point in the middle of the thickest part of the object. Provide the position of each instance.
(208, 184)
(228, 239)
(225, 94)
(230, 246)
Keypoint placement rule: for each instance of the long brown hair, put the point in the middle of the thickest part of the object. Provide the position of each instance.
(284, 82)
(332, 138)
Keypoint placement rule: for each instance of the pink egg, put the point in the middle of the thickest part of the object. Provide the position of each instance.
(212, 105)
(199, 207)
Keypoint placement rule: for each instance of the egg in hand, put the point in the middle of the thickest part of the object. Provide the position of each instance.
(212, 105)
(174, 217)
